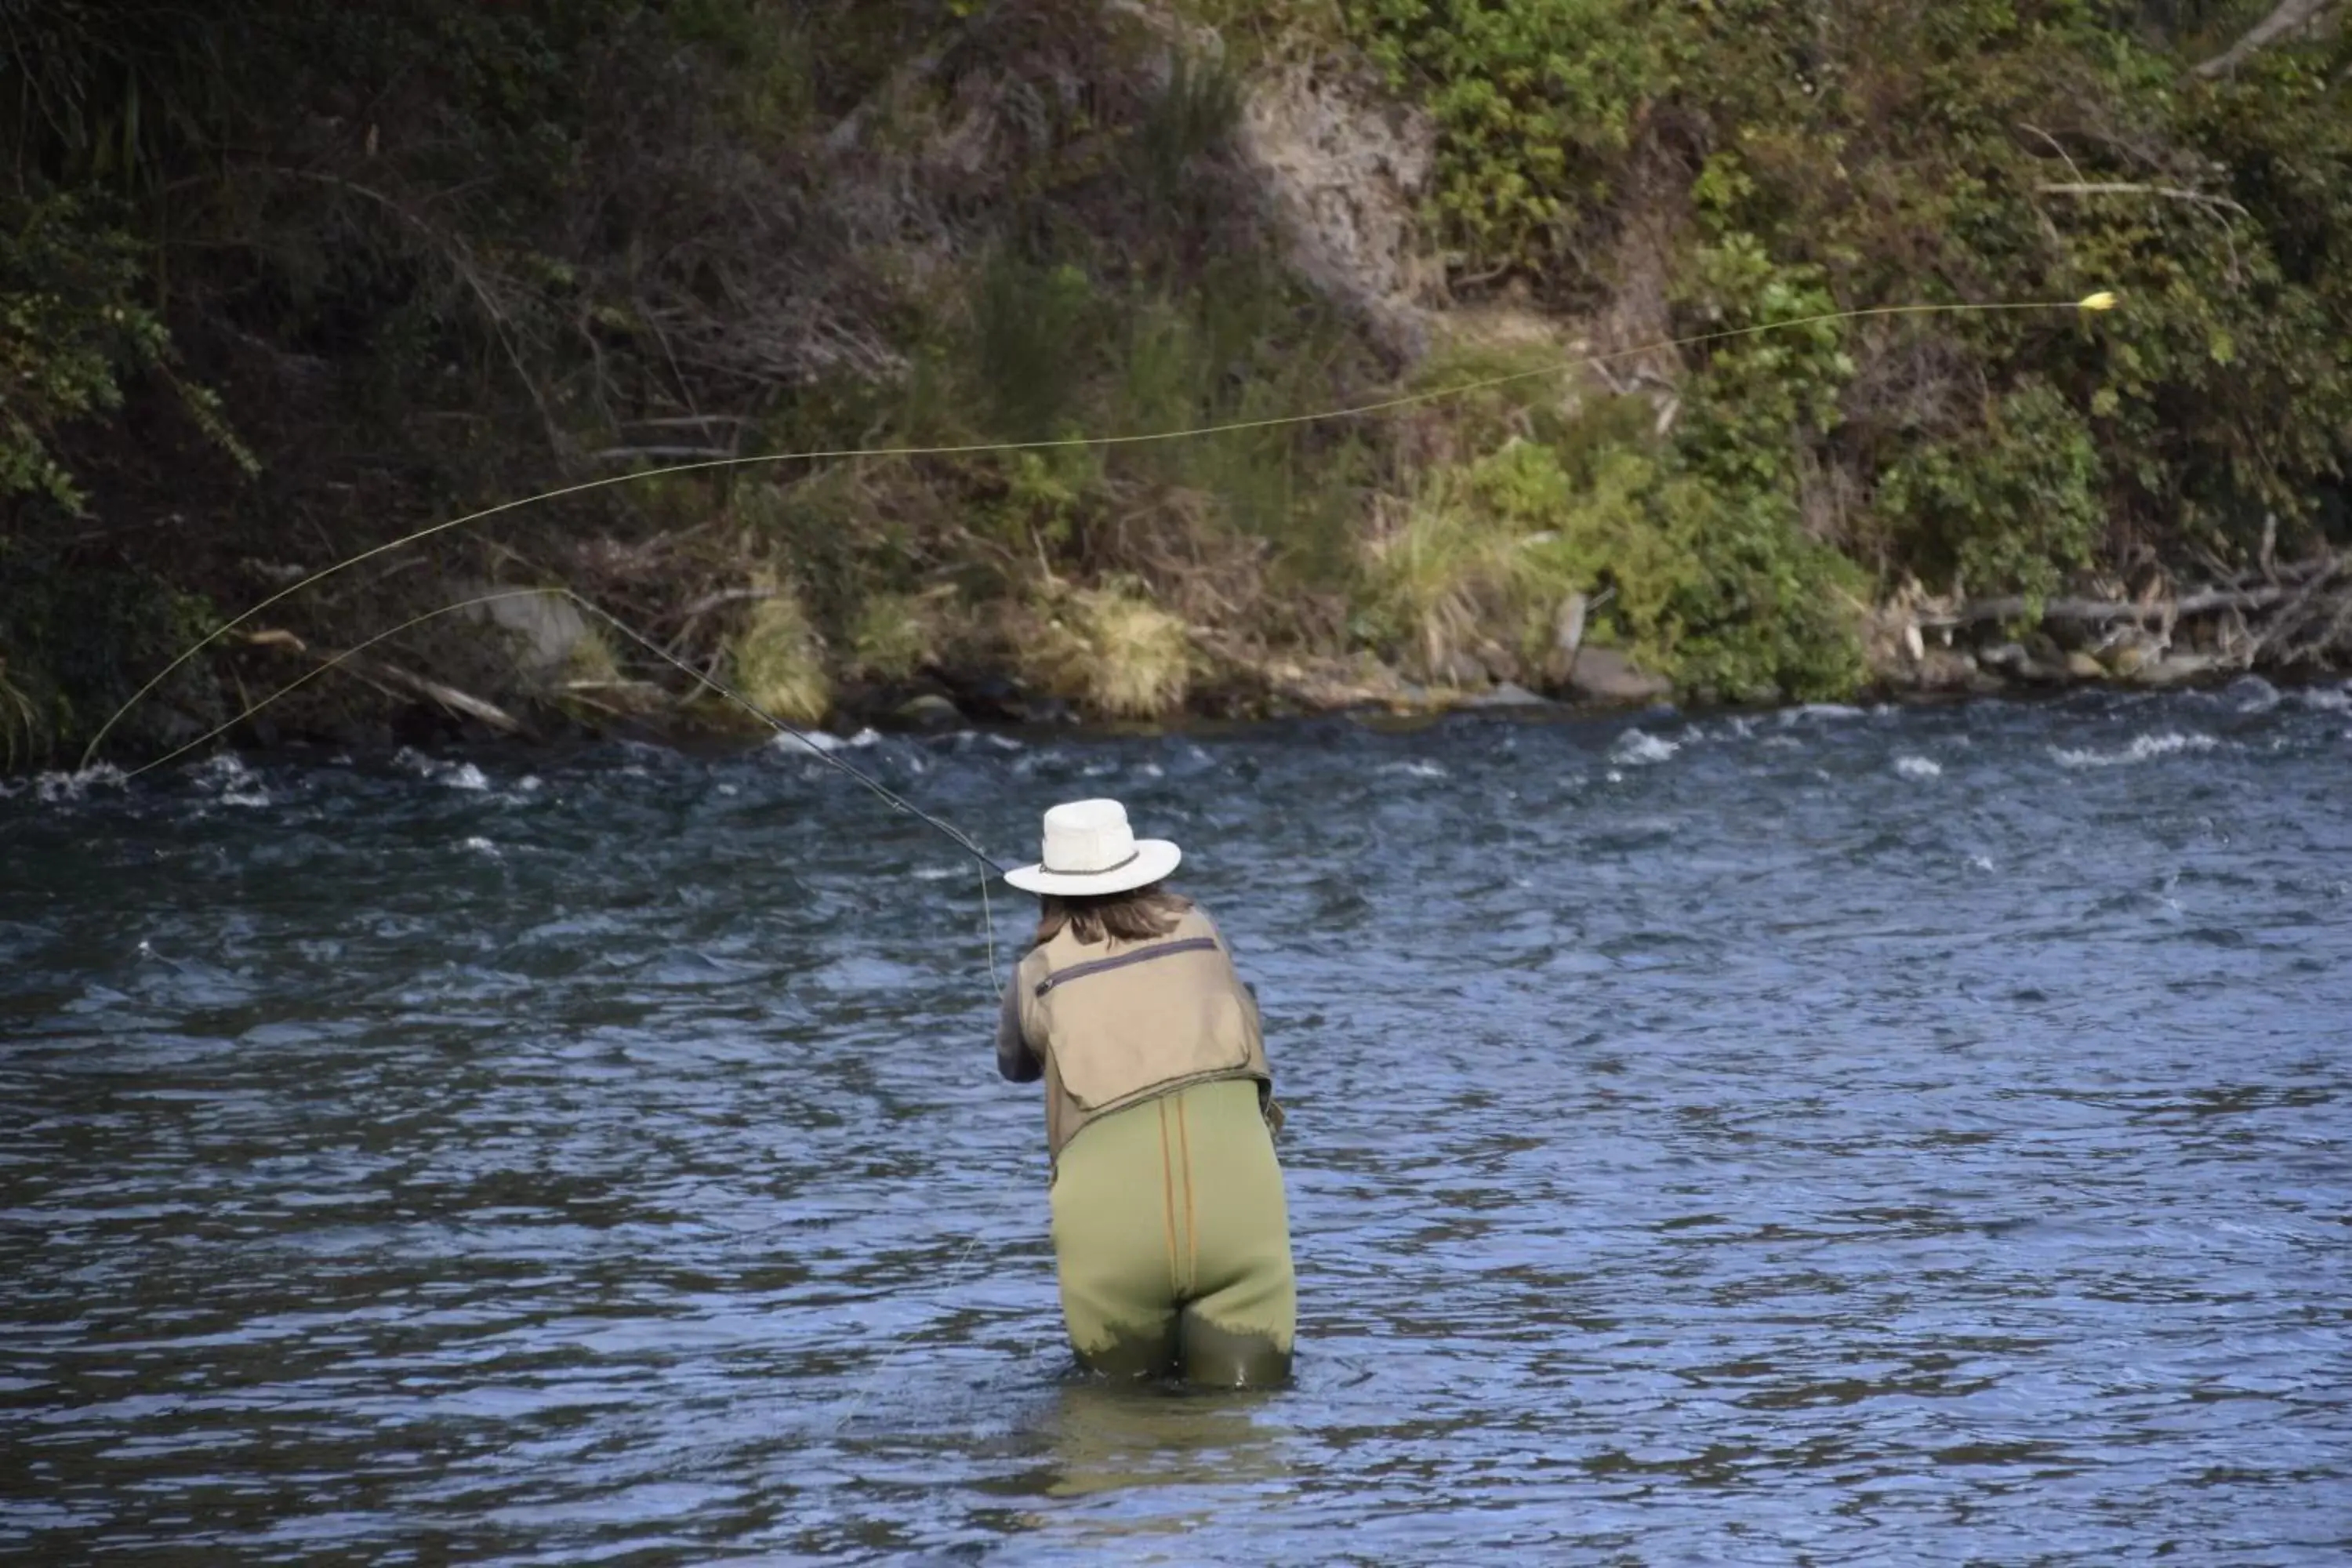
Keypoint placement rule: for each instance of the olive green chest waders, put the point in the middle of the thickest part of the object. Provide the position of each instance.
(1171, 1233)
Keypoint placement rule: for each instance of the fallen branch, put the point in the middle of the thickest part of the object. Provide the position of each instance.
(2131, 188)
(2105, 612)
(2289, 17)
(449, 697)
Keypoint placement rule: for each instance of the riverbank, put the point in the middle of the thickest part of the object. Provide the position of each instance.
(561, 681)
(1057, 360)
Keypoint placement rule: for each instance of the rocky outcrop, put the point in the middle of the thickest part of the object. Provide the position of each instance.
(1343, 169)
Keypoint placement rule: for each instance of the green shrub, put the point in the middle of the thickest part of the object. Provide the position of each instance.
(1897, 151)
(2011, 506)
(74, 327)
(891, 636)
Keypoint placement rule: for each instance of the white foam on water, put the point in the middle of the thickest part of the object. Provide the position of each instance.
(1639, 747)
(1919, 767)
(231, 781)
(2142, 749)
(1824, 711)
(825, 742)
(2326, 699)
(1980, 862)
(936, 873)
(481, 847)
(730, 790)
(1415, 770)
(2254, 694)
(50, 789)
(225, 769)
(1613, 776)
(455, 775)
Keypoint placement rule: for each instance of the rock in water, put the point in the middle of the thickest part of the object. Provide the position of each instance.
(1509, 694)
(928, 711)
(1604, 675)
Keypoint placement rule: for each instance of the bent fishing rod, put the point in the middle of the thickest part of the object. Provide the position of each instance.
(2101, 301)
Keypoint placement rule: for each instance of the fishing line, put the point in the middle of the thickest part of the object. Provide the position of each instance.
(808, 741)
(866, 1385)
(2103, 301)
(988, 864)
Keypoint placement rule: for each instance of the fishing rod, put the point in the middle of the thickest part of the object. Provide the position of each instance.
(2103, 301)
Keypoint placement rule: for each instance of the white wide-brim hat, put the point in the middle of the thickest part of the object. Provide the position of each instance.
(1090, 850)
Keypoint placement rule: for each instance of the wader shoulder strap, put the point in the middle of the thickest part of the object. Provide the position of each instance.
(1120, 961)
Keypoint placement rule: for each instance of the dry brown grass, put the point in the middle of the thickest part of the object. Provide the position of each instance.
(778, 658)
(1112, 650)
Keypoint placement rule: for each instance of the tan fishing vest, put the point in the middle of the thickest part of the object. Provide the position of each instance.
(1120, 1023)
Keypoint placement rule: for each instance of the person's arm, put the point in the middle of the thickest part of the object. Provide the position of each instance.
(1015, 1058)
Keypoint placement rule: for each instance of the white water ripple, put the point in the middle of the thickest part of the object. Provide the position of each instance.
(2143, 748)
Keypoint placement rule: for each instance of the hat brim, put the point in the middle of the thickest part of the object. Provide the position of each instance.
(1154, 858)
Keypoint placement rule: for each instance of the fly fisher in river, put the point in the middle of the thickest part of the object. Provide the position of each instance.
(1170, 1234)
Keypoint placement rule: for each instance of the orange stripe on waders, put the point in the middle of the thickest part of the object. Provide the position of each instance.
(1167, 1208)
(1191, 1231)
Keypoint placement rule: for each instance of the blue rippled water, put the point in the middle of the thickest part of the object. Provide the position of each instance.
(1823, 1137)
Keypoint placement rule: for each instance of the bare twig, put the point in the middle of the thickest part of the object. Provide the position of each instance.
(459, 258)
(624, 454)
(2055, 146)
(720, 600)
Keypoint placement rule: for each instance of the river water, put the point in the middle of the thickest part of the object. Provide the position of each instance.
(1825, 1137)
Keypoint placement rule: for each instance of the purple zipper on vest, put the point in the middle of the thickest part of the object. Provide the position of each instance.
(1141, 955)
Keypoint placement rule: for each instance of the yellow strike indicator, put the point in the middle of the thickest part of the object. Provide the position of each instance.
(2103, 300)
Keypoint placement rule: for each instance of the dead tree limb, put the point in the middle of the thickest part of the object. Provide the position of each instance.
(2287, 16)
(2132, 188)
(449, 697)
(2104, 611)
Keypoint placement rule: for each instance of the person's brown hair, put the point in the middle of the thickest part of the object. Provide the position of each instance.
(1141, 915)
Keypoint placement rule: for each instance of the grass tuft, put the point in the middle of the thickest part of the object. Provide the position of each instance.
(20, 723)
(778, 658)
(1117, 653)
(1455, 580)
(891, 637)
